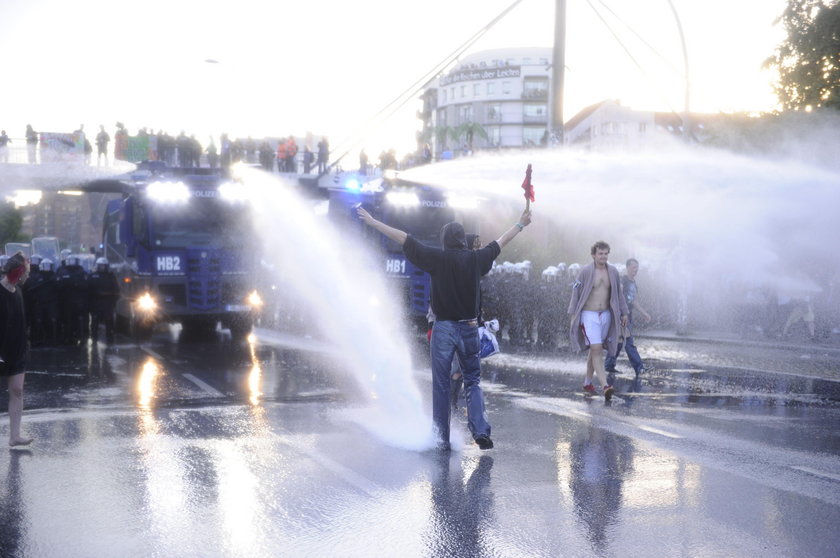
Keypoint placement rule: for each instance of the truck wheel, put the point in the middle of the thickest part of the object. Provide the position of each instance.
(141, 331)
(240, 329)
(122, 325)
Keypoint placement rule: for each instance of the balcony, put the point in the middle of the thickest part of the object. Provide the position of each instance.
(535, 118)
(535, 95)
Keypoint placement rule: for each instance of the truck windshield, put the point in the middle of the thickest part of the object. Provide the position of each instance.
(202, 222)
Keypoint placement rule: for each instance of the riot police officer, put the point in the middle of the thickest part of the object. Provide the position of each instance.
(43, 289)
(63, 255)
(34, 262)
(73, 290)
(549, 323)
(104, 292)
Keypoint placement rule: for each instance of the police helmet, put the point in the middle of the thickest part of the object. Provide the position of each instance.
(102, 262)
(66, 252)
(35, 259)
(46, 264)
(73, 260)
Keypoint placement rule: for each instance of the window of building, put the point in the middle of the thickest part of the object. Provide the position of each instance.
(642, 127)
(463, 91)
(506, 87)
(452, 92)
(443, 97)
(494, 112)
(510, 62)
(534, 110)
(494, 135)
(544, 61)
(491, 87)
(526, 61)
(532, 135)
(476, 89)
(535, 88)
(465, 113)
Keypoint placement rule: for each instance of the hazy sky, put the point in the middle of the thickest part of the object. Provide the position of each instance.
(327, 66)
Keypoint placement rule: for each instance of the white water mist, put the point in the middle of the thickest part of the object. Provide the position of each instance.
(694, 214)
(349, 300)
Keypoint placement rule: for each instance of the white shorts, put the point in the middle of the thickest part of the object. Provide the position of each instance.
(595, 326)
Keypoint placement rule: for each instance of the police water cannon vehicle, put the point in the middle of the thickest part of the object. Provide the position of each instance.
(13, 248)
(46, 247)
(181, 244)
(418, 209)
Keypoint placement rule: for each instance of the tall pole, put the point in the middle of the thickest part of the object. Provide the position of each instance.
(558, 68)
(687, 113)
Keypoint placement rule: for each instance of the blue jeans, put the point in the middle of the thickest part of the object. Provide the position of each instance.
(449, 340)
(632, 354)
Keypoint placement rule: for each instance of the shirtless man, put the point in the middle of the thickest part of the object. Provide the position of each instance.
(596, 299)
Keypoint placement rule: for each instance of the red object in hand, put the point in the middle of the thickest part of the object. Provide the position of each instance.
(527, 186)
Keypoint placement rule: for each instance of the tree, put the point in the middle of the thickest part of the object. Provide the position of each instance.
(469, 130)
(808, 60)
(442, 133)
(11, 222)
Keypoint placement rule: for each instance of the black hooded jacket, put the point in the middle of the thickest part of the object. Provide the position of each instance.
(455, 270)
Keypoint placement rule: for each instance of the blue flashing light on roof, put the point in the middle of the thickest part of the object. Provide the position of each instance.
(353, 184)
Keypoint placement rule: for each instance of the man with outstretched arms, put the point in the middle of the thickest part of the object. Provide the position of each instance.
(455, 270)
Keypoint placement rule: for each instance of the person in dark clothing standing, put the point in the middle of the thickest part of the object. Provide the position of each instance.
(104, 292)
(323, 155)
(13, 346)
(31, 143)
(43, 289)
(363, 163)
(456, 272)
(73, 291)
(307, 159)
(4, 149)
(102, 141)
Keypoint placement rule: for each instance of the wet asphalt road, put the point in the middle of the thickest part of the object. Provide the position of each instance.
(212, 449)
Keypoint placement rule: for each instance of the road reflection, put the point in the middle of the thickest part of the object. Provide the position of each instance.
(255, 375)
(599, 463)
(462, 511)
(147, 383)
(12, 514)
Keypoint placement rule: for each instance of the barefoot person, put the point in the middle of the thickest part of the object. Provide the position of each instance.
(455, 271)
(13, 346)
(596, 301)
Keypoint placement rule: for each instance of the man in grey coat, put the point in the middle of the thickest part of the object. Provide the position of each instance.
(596, 301)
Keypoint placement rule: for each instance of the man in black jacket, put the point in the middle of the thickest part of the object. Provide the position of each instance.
(456, 271)
(104, 292)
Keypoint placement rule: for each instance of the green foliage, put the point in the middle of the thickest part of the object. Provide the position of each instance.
(11, 221)
(808, 60)
(469, 130)
(442, 133)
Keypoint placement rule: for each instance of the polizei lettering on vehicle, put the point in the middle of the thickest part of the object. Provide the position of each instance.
(205, 193)
(431, 203)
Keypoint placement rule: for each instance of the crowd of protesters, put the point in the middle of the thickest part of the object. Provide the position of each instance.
(531, 307)
(288, 154)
